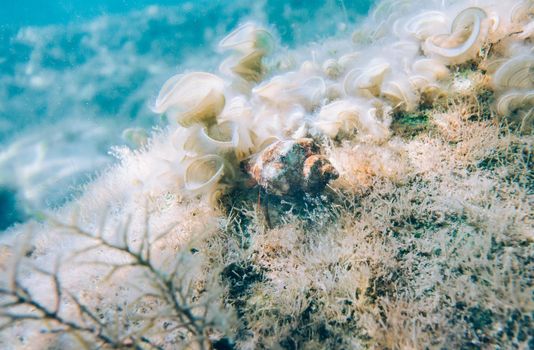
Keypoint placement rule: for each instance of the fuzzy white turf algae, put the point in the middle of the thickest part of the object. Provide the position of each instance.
(371, 189)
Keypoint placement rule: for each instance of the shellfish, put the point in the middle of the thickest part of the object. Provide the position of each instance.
(290, 167)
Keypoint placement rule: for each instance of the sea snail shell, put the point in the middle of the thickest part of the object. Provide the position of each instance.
(290, 167)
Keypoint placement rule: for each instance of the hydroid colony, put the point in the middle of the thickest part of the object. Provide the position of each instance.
(424, 240)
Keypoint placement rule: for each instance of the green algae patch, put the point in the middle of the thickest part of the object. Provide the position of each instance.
(409, 125)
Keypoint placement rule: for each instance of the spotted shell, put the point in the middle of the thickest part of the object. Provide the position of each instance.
(289, 167)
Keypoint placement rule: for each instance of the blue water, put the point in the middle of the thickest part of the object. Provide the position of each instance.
(42, 12)
(75, 73)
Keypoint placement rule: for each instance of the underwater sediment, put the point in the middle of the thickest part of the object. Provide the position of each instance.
(372, 191)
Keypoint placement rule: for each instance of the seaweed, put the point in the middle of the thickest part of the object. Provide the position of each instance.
(408, 125)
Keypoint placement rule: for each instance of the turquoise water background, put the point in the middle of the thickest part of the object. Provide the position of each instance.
(75, 73)
(42, 12)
